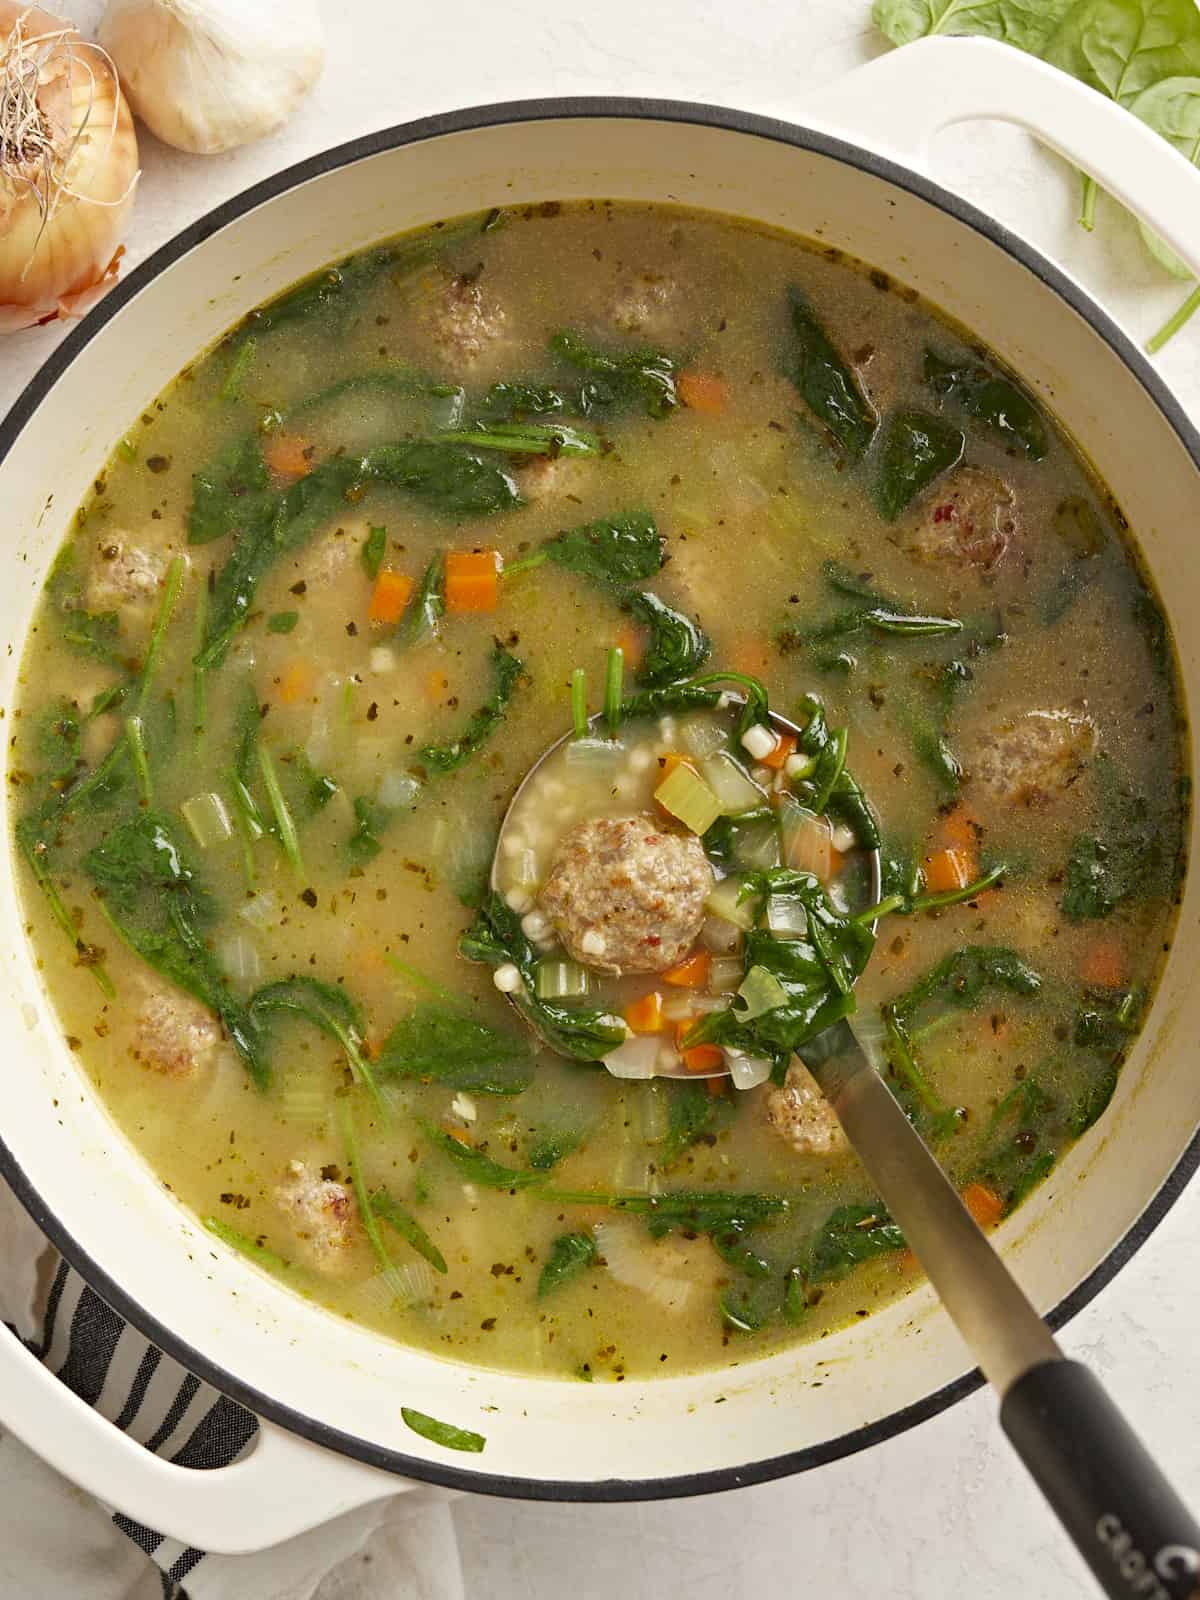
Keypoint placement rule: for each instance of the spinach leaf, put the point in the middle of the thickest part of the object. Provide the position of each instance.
(373, 551)
(152, 898)
(569, 1255)
(449, 478)
(690, 1110)
(648, 374)
(964, 976)
(849, 1236)
(554, 1147)
(328, 1008)
(1026, 25)
(282, 621)
(830, 782)
(677, 647)
(998, 402)
(582, 1032)
(689, 1210)
(1020, 1152)
(443, 1433)
(508, 671)
(524, 439)
(1172, 108)
(875, 612)
(95, 634)
(474, 1165)
(407, 1226)
(816, 973)
(1125, 859)
(58, 741)
(612, 552)
(670, 697)
(425, 610)
(231, 495)
(916, 447)
(440, 1044)
(828, 386)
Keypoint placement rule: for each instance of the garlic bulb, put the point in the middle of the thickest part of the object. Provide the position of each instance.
(68, 167)
(208, 75)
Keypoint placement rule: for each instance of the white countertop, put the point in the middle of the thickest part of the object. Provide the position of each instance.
(944, 1509)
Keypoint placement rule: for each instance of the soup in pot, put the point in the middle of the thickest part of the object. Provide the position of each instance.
(861, 705)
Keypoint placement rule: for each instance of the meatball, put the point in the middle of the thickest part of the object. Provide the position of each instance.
(174, 1034)
(800, 1113)
(123, 575)
(624, 896)
(968, 518)
(644, 303)
(323, 1215)
(463, 322)
(553, 478)
(1031, 758)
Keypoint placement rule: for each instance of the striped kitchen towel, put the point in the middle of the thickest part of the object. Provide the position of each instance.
(59, 1544)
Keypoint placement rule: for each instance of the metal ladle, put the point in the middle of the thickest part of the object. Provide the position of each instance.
(1129, 1525)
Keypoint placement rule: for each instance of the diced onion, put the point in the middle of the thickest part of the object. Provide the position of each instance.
(594, 757)
(641, 1263)
(731, 784)
(261, 910)
(720, 936)
(703, 736)
(398, 790)
(757, 845)
(762, 992)
(725, 973)
(208, 820)
(561, 980)
(686, 795)
(382, 659)
(240, 958)
(807, 839)
(464, 1107)
(679, 1007)
(636, 1058)
(786, 917)
(723, 902)
(746, 1071)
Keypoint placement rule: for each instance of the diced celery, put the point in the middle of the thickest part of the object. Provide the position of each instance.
(560, 980)
(686, 795)
(206, 816)
(723, 902)
(703, 735)
(762, 991)
(732, 785)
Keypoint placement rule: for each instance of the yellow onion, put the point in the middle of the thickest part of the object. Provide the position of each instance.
(68, 167)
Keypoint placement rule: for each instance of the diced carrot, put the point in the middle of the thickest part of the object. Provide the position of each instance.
(702, 391)
(784, 747)
(691, 973)
(668, 762)
(632, 643)
(288, 455)
(1104, 964)
(389, 596)
(984, 1204)
(646, 1015)
(752, 656)
(959, 831)
(703, 1058)
(296, 682)
(472, 580)
(948, 869)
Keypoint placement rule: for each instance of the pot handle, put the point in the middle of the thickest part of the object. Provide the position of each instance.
(898, 103)
(284, 1487)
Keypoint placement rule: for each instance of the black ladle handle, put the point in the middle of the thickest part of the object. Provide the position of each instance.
(1129, 1525)
(1127, 1522)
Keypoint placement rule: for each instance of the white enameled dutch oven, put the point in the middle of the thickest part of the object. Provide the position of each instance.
(329, 1393)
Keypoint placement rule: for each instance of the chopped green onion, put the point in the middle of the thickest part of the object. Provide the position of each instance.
(560, 980)
(613, 682)
(684, 793)
(762, 992)
(288, 837)
(135, 735)
(579, 716)
(206, 816)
